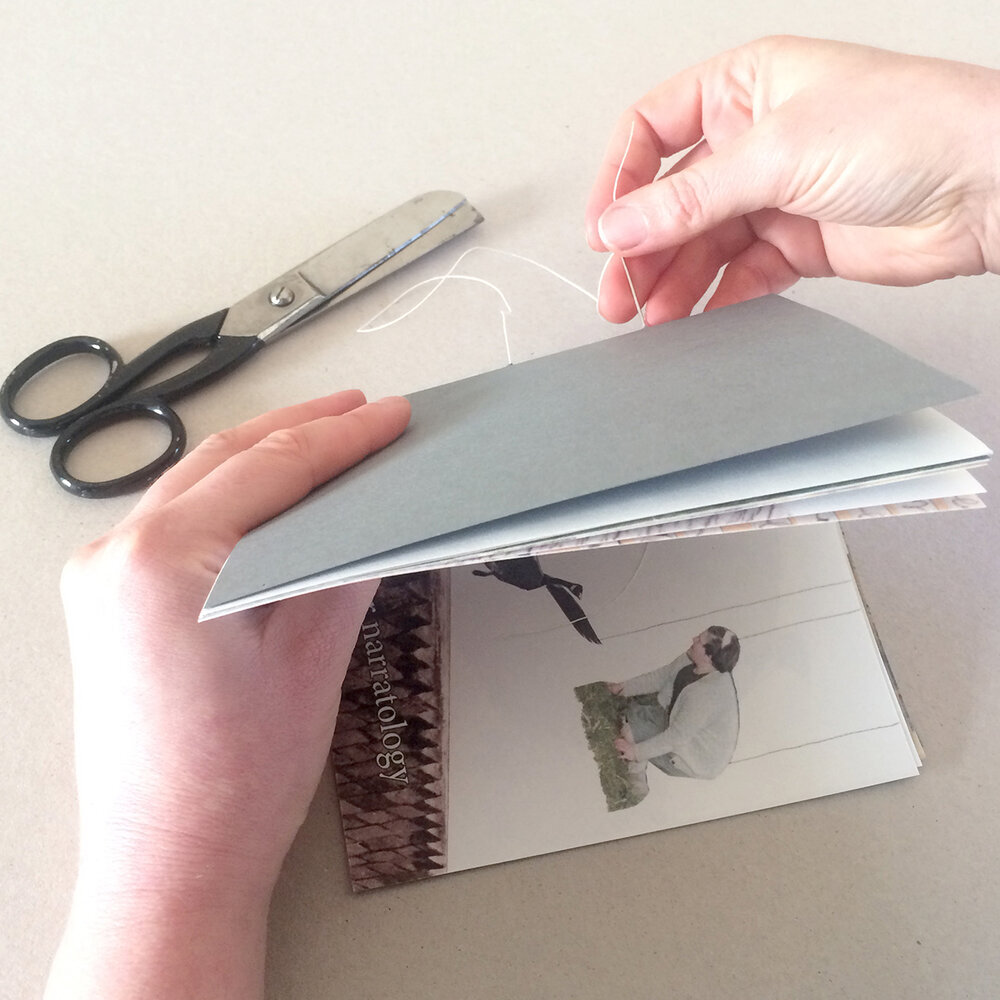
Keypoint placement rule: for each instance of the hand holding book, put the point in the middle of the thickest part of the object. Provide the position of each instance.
(198, 749)
(758, 203)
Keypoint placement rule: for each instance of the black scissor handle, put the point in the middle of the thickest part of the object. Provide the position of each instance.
(38, 362)
(118, 400)
(106, 416)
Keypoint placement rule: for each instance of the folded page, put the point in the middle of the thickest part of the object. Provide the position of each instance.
(703, 389)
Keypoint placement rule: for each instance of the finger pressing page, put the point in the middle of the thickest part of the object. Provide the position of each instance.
(218, 448)
(280, 469)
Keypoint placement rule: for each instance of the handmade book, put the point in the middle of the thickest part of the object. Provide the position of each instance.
(581, 633)
(762, 403)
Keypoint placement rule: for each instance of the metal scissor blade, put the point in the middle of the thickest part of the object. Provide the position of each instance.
(391, 241)
(351, 264)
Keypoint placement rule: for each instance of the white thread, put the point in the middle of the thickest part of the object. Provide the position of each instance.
(604, 270)
(621, 166)
(369, 326)
(437, 280)
(614, 197)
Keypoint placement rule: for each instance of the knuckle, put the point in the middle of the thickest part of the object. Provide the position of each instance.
(224, 442)
(123, 561)
(288, 455)
(773, 43)
(287, 443)
(753, 280)
(686, 197)
(358, 432)
(768, 49)
(76, 570)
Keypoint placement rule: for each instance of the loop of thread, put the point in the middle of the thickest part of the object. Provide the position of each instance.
(371, 325)
(614, 197)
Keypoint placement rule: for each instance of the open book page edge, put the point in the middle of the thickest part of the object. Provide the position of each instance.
(618, 411)
(415, 559)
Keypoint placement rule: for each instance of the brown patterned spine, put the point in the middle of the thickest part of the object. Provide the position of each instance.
(390, 748)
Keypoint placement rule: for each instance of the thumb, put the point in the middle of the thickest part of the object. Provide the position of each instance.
(701, 193)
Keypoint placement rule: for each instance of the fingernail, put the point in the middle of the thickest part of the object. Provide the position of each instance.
(622, 227)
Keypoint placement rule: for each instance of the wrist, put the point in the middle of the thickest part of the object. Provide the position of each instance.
(154, 928)
(149, 827)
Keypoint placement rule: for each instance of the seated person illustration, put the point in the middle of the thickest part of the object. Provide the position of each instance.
(683, 718)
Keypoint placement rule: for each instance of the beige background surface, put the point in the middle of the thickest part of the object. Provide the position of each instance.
(159, 161)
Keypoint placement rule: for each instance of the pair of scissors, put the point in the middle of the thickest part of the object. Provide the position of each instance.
(231, 336)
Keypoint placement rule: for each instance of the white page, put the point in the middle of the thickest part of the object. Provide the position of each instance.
(886, 449)
(817, 712)
(933, 493)
(812, 723)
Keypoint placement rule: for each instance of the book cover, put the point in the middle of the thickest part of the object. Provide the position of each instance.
(478, 725)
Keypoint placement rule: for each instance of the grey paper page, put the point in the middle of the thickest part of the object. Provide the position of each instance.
(903, 446)
(882, 452)
(660, 400)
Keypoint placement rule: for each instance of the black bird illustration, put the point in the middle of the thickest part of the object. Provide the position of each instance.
(526, 574)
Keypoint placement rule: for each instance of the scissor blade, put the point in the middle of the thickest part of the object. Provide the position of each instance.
(387, 244)
(353, 263)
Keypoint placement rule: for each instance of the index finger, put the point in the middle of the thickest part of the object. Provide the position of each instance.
(219, 447)
(665, 121)
(279, 470)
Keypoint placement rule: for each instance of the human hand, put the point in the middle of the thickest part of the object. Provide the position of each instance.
(625, 748)
(199, 746)
(615, 687)
(805, 158)
(625, 743)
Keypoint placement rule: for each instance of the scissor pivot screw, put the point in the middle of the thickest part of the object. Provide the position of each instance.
(281, 296)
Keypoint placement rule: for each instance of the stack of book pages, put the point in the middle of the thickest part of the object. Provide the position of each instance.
(554, 529)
